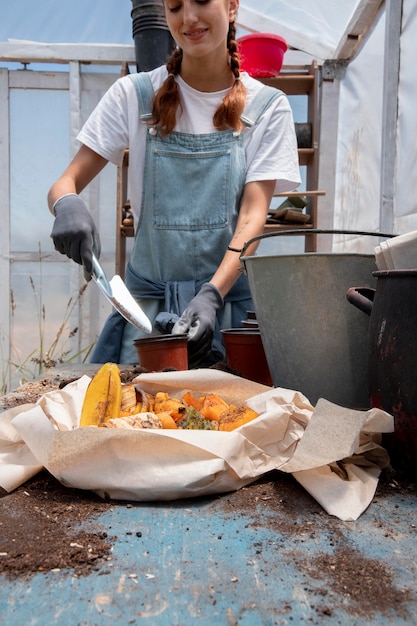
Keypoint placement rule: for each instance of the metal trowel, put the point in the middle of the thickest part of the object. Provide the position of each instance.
(120, 298)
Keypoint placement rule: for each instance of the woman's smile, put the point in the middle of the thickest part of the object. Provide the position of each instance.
(195, 33)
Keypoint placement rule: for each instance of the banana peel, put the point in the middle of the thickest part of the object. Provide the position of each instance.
(103, 396)
(129, 404)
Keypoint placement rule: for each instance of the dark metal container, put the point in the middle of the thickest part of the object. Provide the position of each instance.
(393, 359)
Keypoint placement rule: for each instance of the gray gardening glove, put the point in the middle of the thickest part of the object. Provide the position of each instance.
(164, 322)
(198, 321)
(74, 232)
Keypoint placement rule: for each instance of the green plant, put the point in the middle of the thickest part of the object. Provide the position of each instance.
(58, 351)
(43, 357)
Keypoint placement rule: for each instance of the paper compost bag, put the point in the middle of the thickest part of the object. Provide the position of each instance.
(17, 463)
(145, 465)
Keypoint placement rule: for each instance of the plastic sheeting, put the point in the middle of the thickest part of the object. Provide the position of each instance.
(322, 20)
(405, 205)
(89, 21)
(358, 179)
(359, 157)
(67, 21)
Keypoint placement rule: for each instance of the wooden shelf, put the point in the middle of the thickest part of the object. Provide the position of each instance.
(126, 231)
(303, 81)
(290, 226)
(305, 155)
(294, 84)
(296, 194)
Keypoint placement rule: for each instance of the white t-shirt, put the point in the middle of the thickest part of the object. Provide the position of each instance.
(114, 126)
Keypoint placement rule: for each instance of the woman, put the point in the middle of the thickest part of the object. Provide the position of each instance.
(208, 147)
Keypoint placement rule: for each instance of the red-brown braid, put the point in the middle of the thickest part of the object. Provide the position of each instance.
(229, 112)
(167, 98)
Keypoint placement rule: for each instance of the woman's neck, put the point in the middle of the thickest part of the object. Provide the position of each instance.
(203, 77)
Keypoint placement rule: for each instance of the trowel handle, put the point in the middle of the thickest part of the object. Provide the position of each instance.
(97, 270)
(362, 298)
(100, 277)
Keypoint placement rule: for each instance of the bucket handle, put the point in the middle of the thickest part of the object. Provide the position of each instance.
(312, 231)
(362, 298)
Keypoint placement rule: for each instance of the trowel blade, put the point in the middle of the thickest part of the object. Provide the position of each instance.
(120, 298)
(124, 302)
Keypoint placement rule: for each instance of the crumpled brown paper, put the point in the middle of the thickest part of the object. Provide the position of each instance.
(333, 452)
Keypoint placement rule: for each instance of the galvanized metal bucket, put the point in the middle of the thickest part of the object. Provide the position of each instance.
(315, 341)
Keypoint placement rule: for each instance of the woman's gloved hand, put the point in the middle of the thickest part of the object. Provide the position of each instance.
(198, 320)
(74, 232)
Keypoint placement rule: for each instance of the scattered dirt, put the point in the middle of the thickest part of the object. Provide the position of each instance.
(280, 495)
(31, 391)
(39, 529)
(341, 579)
(28, 393)
(289, 505)
(366, 585)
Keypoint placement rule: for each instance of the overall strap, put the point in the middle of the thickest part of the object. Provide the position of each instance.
(145, 94)
(259, 104)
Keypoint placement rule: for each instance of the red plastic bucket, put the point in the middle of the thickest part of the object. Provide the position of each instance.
(261, 54)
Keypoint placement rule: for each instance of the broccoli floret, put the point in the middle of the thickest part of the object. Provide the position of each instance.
(195, 421)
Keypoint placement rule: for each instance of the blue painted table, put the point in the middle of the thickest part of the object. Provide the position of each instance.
(265, 555)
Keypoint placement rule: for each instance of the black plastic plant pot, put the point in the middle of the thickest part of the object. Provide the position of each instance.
(153, 41)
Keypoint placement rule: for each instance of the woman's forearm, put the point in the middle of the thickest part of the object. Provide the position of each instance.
(83, 168)
(254, 209)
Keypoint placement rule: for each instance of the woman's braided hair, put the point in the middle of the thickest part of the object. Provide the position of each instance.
(167, 98)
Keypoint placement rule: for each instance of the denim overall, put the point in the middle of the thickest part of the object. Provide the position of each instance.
(193, 186)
